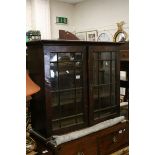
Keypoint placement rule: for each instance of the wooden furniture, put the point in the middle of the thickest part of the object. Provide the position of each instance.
(103, 142)
(79, 83)
(66, 35)
(124, 83)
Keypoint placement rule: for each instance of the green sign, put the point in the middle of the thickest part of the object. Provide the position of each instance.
(62, 20)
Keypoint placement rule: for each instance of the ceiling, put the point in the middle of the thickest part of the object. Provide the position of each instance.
(71, 1)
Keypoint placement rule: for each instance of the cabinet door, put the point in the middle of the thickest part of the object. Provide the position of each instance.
(66, 75)
(104, 83)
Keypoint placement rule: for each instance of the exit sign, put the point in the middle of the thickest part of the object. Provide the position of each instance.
(62, 20)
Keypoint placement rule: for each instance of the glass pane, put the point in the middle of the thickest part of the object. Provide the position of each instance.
(54, 99)
(95, 73)
(68, 122)
(95, 97)
(79, 78)
(78, 56)
(95, 77)
(113, 72)
(104, 96)
(67, 97)
(102, 113)
(113, 99)
(53, 57)
(79, 101)
(105, 55)
(54, 76)
(105, 113)
(66, 57)
(113, 55)
(96, 115)
(104, 72)
(78, 64)
(55, 125)
(79, 119)
(79, 95)
(66, 75)
(47, 67)
(66, 65)
(68, 109)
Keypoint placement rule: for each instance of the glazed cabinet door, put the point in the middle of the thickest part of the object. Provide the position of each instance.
(104, 83)
(65, 76)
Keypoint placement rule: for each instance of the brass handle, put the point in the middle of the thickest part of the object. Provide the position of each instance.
(114, 139)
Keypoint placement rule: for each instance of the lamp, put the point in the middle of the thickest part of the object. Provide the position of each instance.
(31, 88)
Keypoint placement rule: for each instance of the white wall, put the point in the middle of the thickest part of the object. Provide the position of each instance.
(101, 15)
(88, 15)
(61, 9)
(28, 15)
(38, 17)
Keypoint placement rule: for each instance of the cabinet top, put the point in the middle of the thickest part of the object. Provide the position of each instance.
(71, 42)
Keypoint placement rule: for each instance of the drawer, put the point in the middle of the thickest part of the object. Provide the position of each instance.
(124, 55)
(80, 147)
(112, 142)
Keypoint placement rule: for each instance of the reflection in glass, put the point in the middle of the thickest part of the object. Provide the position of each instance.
(95, 77)
(113, 55)
(67, 97)
(54, 76)
(66, 75)
(104, 55)
(104, 74)
(47, 67)
(55, 99)
(53, 57)
(65, 56)
(95, 97)
(95, 72)
(79, 100)
(78, 78)
(104, 96)
(79, 119)
(78, 56)
(66, 78)
(68, 122)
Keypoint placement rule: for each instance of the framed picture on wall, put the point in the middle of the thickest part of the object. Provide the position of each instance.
(81, 35)
(92, 35)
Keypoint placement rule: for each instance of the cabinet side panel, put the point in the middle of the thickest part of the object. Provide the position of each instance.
(38, 105)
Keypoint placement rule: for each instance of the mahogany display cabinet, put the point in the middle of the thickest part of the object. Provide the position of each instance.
(124, 81)
(80, 84)
(124, 66)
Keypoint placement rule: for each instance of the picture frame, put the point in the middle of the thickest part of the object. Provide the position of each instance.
(105, 36)
(81, 35)
(92, 35)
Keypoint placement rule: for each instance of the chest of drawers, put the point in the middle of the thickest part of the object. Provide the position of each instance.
(103, 142)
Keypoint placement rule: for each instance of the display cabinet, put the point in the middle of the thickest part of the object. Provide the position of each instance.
(80, 84)
(124, 78)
